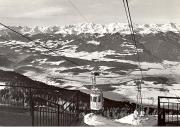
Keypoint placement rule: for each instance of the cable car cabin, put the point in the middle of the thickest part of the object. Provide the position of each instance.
(96, 99)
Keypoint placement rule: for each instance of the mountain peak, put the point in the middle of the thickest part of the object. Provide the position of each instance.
(89, 27)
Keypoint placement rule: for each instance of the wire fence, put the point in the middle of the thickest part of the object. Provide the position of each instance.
(168, 111)
(47, 107)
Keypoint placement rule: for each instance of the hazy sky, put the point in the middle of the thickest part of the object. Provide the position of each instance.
(60, 12)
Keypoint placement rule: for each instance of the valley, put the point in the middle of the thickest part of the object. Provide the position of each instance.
(73, 52)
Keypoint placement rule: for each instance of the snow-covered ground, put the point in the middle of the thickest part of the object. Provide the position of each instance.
(150, 91)
(2, 83)
(97, 120)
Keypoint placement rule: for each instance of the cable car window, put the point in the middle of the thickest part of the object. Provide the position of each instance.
(91, 98)
(99, 99)
(94, 99)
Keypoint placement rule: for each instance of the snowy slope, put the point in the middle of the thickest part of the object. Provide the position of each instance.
(97, 120)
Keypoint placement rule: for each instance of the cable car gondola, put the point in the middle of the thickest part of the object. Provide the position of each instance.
(96, 95)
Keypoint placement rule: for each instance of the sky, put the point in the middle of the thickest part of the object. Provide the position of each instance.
(65, 12)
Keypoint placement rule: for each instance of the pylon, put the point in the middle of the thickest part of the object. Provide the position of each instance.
(139, 97)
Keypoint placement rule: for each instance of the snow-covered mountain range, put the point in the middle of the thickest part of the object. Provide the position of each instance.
(99, 28)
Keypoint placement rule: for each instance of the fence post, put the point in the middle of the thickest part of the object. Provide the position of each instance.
(159, 114)
(177, 113)
(58, 115)
(77, 105)
(32, 107)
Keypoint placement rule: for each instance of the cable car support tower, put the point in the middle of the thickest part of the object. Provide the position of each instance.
(139, 83)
